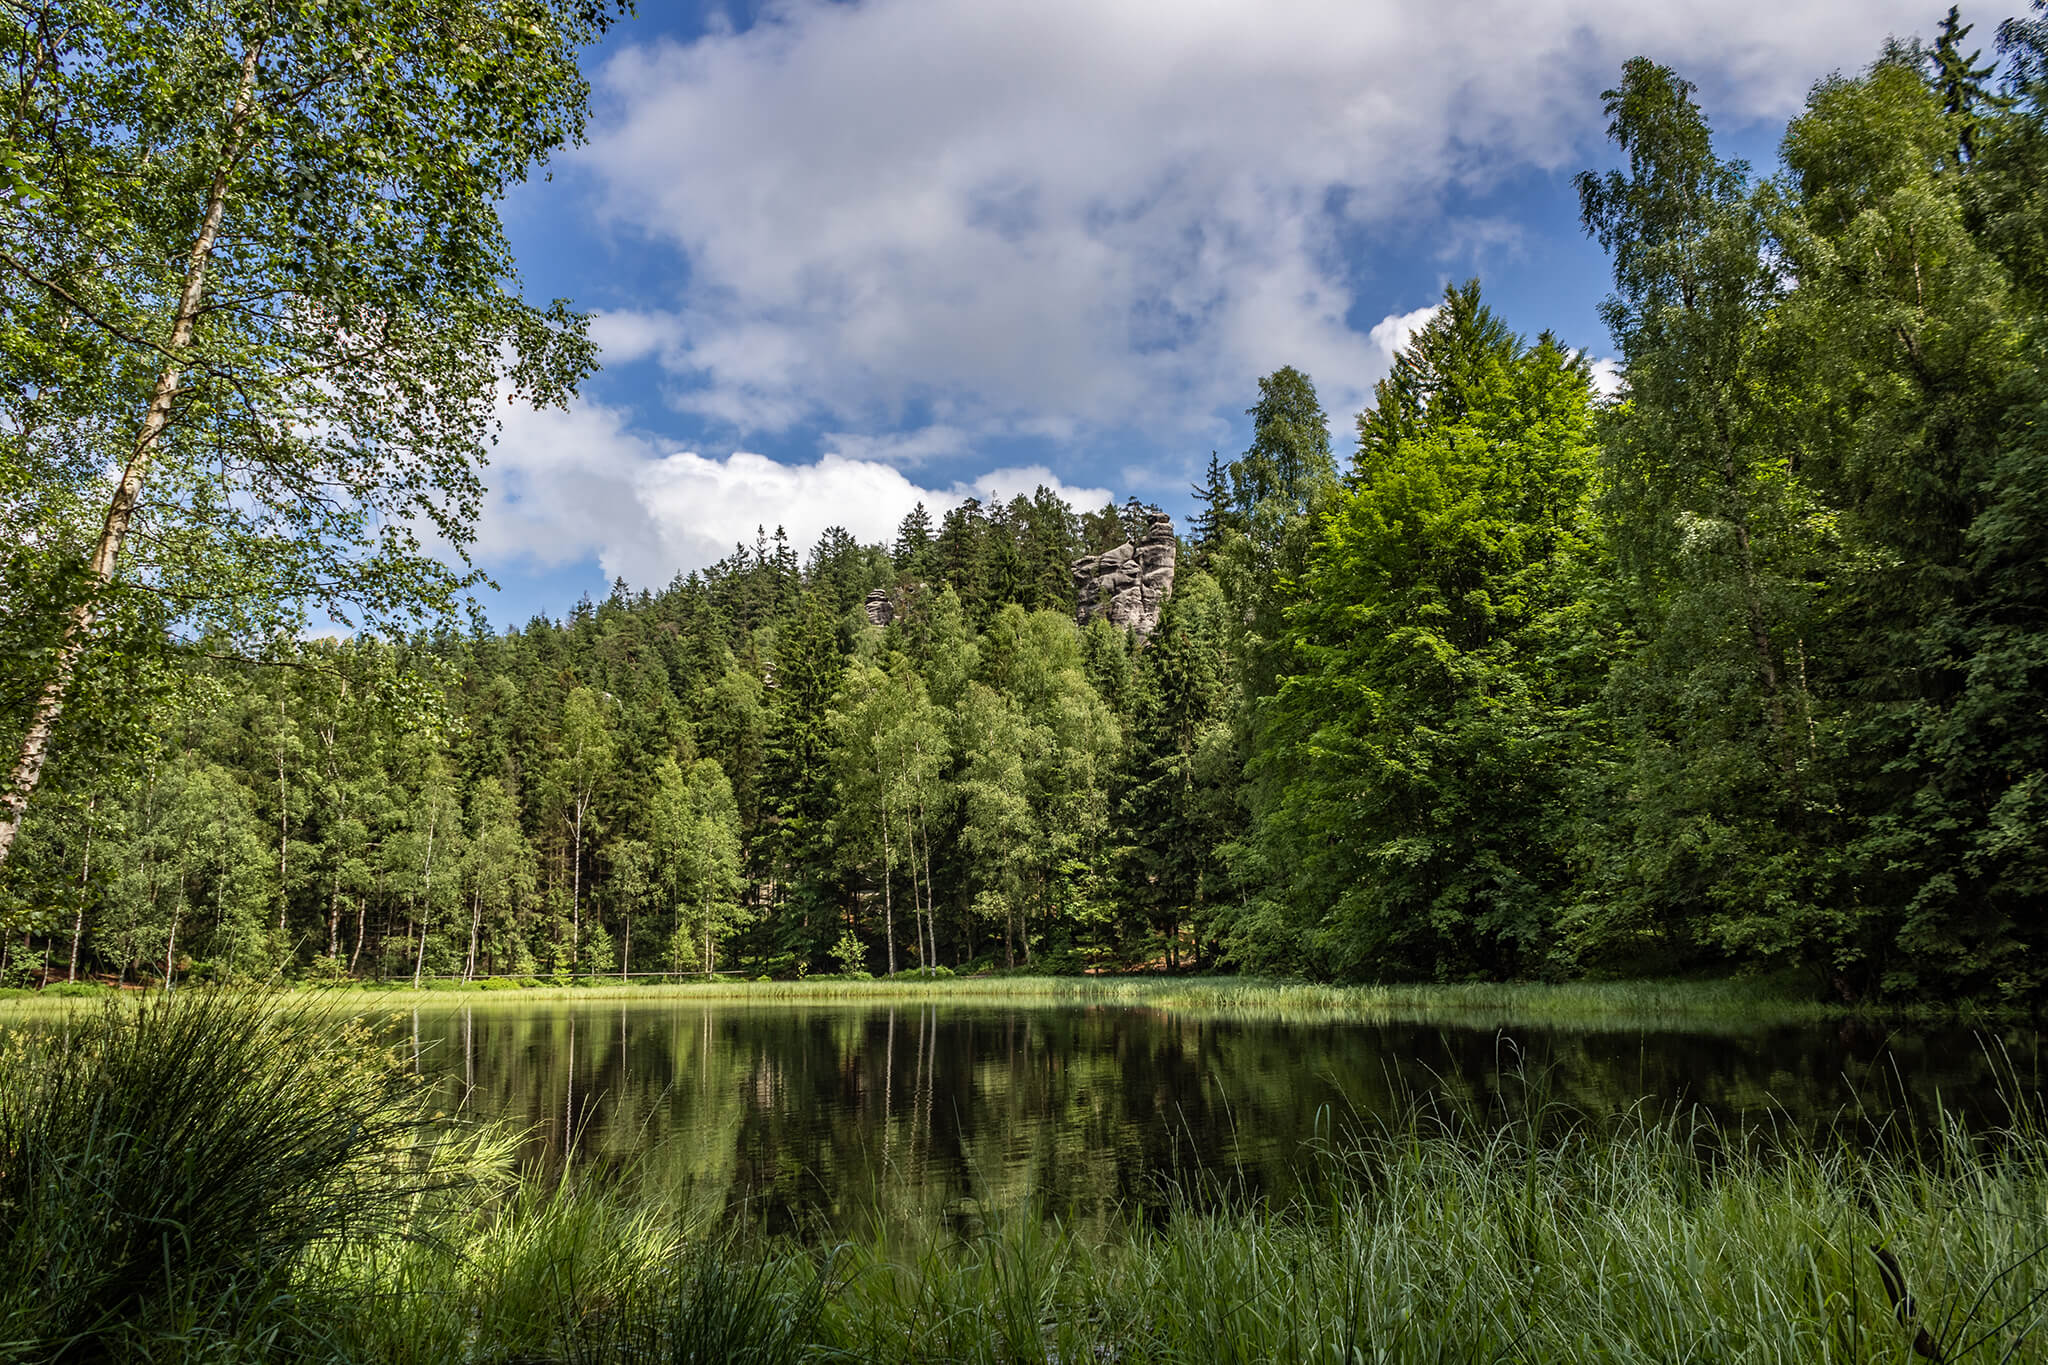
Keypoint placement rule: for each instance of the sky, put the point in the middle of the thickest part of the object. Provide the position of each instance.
(844, 257)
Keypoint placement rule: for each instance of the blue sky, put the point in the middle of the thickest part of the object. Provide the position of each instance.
(847, 256)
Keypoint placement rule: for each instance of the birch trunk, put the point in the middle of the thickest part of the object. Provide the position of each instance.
(334, 916)
(84, 888)
(419, 963)
(576, 888)
(284, 824)
(888, 895)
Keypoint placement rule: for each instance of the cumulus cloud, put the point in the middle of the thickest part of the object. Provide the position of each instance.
(566, 486)
(1607, 381)
(1102, 213)
(1391, 333)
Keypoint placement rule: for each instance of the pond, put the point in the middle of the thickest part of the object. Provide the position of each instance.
(815, 1119)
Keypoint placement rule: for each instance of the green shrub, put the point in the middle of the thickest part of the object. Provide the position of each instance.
(75, 989)
(499, 983)
(851, 954)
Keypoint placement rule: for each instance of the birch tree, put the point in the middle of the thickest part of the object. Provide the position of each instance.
(250, 259)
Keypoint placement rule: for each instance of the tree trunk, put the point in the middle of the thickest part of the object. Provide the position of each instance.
(419, 963)
(35, 744)
(170, 951)
(916, 900)
(84, 887)
(284, 824)
(334, 915)
(888, 897)
(931, 900)
(576, 889)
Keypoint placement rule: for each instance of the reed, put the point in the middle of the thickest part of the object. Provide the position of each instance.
(1450, 1236)
(164, 1170)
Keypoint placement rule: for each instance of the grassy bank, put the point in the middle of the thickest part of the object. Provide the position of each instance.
(1425, 1248)
(1631, 1004)
(228, 1178)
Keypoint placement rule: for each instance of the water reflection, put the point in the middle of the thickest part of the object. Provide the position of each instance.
(809, 1118)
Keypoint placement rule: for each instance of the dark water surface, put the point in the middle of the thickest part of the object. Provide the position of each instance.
(808, 1117)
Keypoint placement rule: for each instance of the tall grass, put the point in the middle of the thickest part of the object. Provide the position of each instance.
(163, 1171)
(223, 1181)
(1661, 1242)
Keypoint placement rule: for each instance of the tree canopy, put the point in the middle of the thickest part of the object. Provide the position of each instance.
(1736, 667)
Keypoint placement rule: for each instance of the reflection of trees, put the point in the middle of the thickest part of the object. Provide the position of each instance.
(793, 1117)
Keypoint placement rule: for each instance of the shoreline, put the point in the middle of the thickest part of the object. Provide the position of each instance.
(1680, 1004)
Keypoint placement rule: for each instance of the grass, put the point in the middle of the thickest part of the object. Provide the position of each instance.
(1740, 1002)
(1715, 1005)
(164, 1166)
(1429, 1242)
(219, 1178)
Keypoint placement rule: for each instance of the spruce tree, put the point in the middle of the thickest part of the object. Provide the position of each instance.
(912, 551)
(1212, 499)
(1960, 82)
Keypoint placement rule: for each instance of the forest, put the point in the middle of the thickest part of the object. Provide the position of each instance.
(1739, 667)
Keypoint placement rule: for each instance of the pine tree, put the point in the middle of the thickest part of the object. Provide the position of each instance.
(1052, 534)
(1960, 82)
(958, 553)
(797, 780)
(912, 550)
(1212, 497)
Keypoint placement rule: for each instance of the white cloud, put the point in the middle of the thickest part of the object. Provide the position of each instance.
(627, 335)
(1103, 213)
(1607, 381)
(913, 447)
(577, 484)
(1391, 333)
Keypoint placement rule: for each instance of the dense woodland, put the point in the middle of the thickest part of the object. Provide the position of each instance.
(1740, 668)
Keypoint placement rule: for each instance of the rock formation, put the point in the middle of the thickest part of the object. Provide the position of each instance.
(880, 607)
(1130, 583)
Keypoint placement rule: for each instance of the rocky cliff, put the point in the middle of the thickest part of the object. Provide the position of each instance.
(1129, 584)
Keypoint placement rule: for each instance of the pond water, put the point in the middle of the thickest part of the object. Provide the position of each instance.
(807, 1118)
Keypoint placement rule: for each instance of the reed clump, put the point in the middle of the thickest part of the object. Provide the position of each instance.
(164, 1171)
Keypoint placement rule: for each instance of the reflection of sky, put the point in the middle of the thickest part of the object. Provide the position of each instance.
(823, 1117)
(989, 243)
